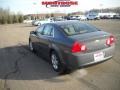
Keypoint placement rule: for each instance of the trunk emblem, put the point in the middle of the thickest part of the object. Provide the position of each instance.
(97, 41)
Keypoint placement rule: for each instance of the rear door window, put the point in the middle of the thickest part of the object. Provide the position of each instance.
(48, 30)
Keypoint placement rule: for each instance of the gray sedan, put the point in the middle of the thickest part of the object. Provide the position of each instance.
(69, 45)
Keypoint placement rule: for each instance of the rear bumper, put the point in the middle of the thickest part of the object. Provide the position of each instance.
(78, 60)
(95, 62)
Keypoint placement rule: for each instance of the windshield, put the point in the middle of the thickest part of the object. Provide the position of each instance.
(78, 28)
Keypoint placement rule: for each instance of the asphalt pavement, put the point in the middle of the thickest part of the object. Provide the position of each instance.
(20, 69)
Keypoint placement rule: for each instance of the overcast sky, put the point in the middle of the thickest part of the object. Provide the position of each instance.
(35, 6)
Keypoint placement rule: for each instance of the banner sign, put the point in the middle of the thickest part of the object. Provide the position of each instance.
(59, 3)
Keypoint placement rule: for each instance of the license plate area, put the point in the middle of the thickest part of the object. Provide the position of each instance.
(98, 56)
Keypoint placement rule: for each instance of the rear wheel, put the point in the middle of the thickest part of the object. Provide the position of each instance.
(56, 64)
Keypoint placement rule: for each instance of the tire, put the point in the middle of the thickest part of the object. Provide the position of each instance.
(56, 64)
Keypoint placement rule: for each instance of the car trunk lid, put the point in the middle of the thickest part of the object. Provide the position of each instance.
(94, 41)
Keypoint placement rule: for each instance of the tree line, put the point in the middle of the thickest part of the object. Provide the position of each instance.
(7, 17)
(105, 10)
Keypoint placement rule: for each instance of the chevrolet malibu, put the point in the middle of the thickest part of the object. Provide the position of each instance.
(71, 44)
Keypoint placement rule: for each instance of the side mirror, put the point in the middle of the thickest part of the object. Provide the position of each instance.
(33, 32)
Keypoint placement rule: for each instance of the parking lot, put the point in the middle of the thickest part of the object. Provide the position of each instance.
(21, 69)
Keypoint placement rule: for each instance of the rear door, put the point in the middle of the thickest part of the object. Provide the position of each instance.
(45, 40)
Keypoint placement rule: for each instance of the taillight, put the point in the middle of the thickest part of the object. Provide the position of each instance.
(78, 47)
(110, 40)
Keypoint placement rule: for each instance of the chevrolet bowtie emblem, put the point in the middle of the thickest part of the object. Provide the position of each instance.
(97, 40)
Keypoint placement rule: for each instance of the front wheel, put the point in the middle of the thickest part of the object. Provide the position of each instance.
(56, 64)
(31, 46)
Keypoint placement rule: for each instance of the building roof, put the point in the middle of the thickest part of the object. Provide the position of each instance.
(43, 15)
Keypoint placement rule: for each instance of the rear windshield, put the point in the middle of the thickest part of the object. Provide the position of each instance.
(78, 28)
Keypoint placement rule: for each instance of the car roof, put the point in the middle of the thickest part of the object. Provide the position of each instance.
(60, 23)
(67, 22)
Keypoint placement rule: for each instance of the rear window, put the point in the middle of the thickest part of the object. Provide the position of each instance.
(78, 28)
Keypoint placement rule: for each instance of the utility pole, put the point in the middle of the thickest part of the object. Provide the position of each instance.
(101, 5)
(36, 16)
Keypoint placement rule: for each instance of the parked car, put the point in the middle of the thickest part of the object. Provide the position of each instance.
(35, 22)
(66, 17)
(27, 21)
(49, 20)
(40, 22)
(93, 17)
(74, 18)
(116, 17)
(109, 15)
(58, 19)
(83, 17)
(71, 44)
